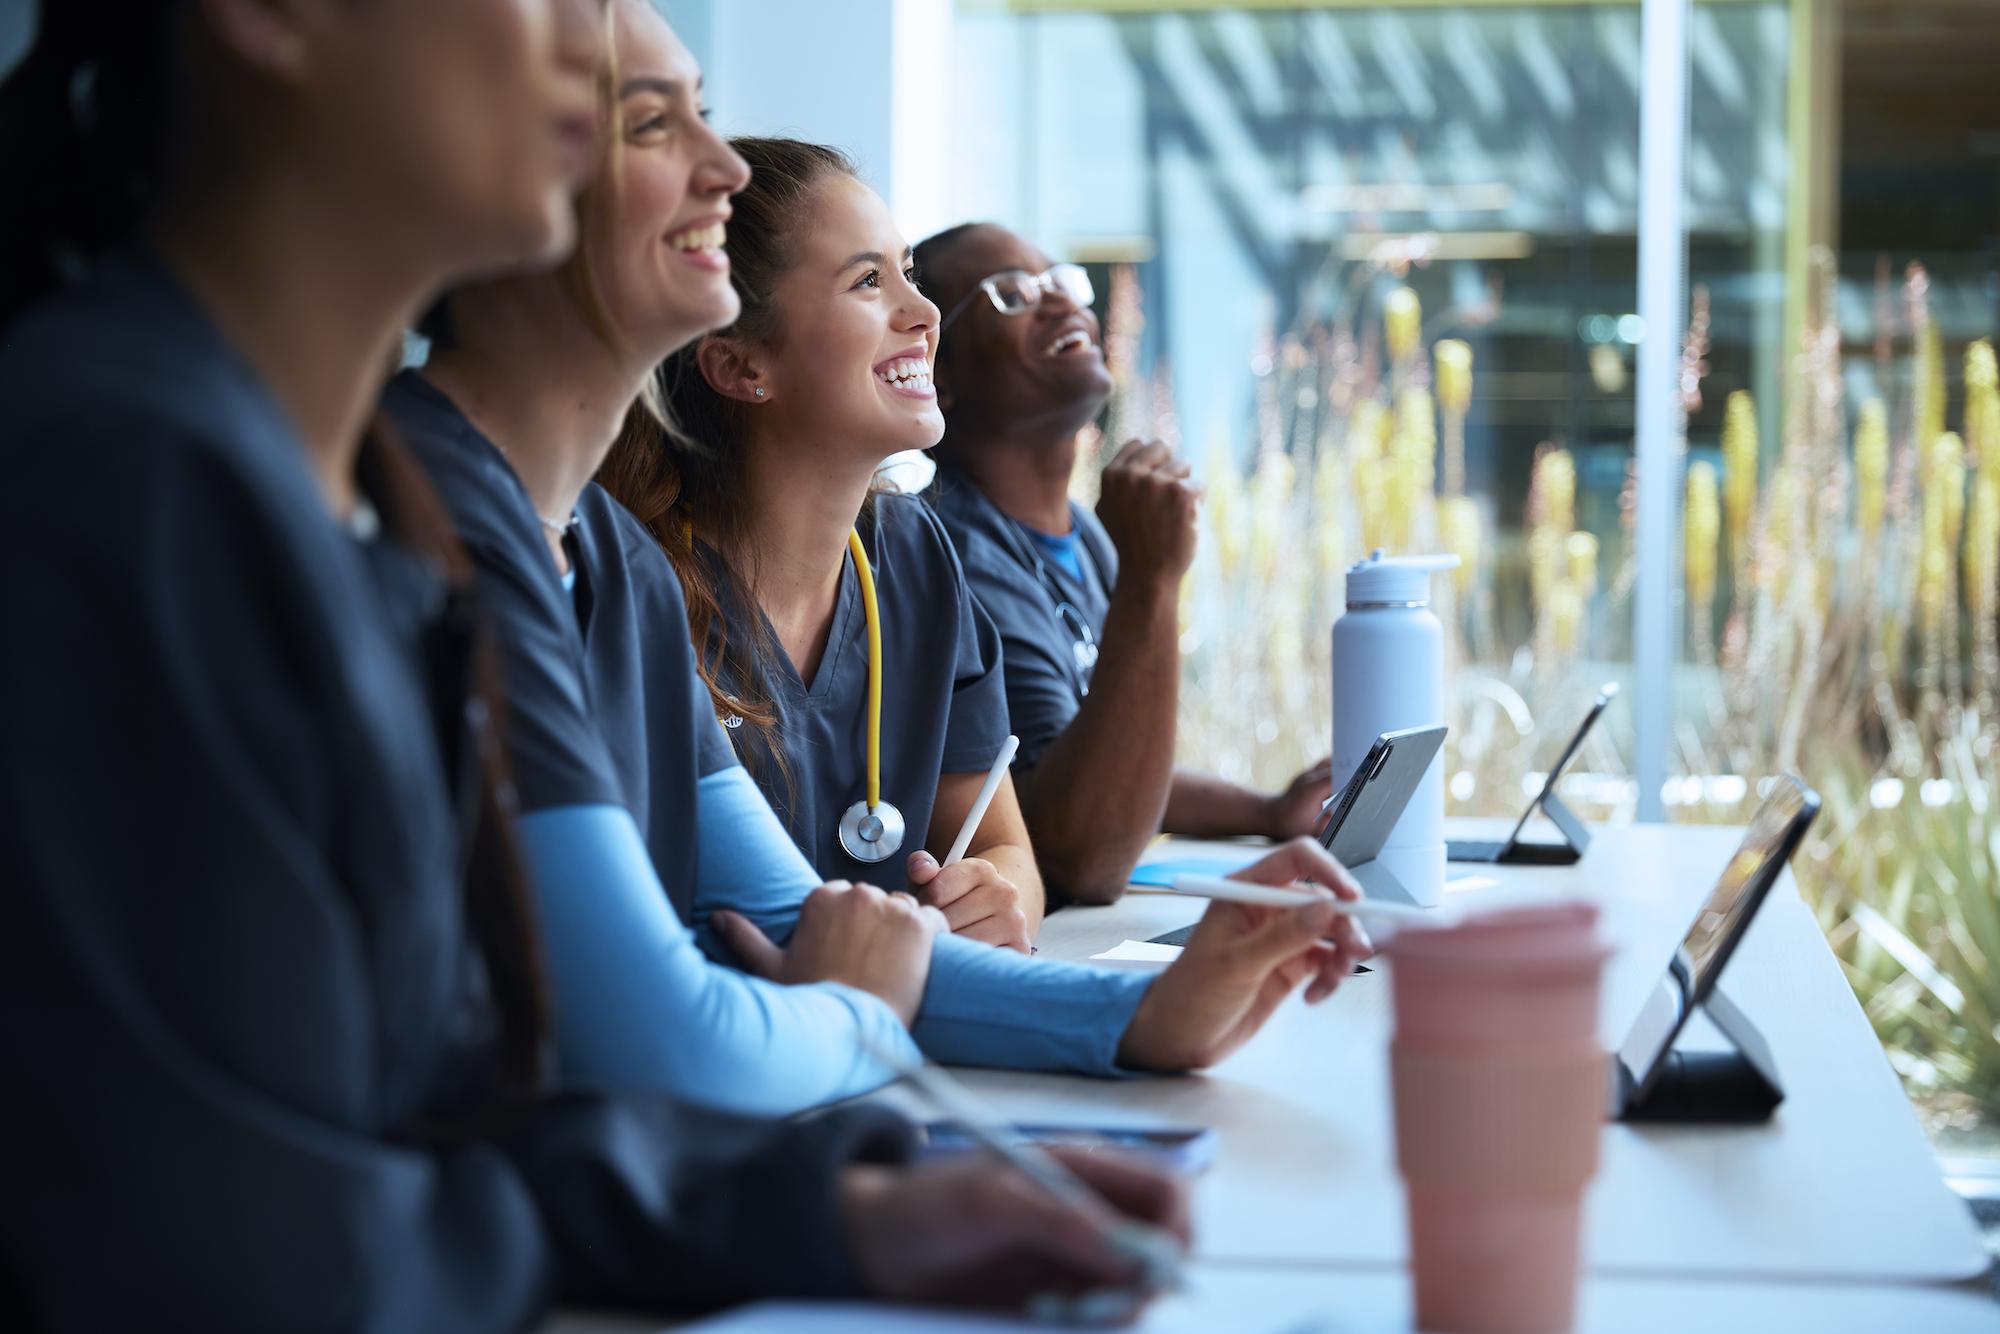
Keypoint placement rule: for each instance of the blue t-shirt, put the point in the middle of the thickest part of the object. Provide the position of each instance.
(1040, 606)
(1060, 552)
(944, 707)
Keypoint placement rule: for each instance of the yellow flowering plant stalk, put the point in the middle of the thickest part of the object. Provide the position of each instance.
(1701, 532)
(1739, 475)
(1831, 569)
(1451, 360)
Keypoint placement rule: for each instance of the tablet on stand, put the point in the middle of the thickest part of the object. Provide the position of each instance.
(1362, 815)
(1653, 1079)
(1576, 834)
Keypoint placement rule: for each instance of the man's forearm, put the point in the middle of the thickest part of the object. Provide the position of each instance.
(1203, 806)
(1094, 799)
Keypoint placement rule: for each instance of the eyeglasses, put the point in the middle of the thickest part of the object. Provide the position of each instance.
(1016, 292)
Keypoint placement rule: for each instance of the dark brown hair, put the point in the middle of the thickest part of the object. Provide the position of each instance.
(469, 704)
(82, 135)
(82, 153)
(680, 477)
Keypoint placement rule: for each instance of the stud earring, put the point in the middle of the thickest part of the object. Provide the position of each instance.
(759, 391)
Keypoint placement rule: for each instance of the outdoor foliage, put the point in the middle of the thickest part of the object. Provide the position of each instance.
(1840, 609)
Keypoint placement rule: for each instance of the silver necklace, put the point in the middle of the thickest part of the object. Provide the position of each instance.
(560, 529)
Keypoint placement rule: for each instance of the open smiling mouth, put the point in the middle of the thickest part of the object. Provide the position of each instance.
(910, 376)
(702, 245)
(708, 236)
(1074, 340)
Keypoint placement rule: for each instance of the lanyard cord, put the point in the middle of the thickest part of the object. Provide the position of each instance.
(866, 575)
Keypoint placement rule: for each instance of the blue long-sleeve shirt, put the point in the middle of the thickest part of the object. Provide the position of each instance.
(638, 1005)
(615, 853)
(606, 712)
(982, 1005)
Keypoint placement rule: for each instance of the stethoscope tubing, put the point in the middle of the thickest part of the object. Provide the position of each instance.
(871, 830)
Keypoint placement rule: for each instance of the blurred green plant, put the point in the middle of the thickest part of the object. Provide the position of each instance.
(1841, 595)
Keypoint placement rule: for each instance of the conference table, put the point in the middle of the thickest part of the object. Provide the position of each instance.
(1831, 1216)
(1840, 1183)
(1236, 1299)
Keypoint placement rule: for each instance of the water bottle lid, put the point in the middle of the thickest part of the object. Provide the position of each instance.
(1384, 580)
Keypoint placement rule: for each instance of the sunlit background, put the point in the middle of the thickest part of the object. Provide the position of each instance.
(1374, 268)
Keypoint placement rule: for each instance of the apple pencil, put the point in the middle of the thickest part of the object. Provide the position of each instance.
(982, 801)
(1279, 896)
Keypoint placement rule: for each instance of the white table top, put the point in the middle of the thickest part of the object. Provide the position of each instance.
(1262, 1300)
(1840, 1184)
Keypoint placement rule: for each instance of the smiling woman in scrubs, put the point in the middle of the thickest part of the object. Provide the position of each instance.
(529, 378)
(638, 818)
(790, 412)
(271, 992)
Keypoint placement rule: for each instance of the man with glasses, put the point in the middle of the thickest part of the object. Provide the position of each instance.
(1087, 604)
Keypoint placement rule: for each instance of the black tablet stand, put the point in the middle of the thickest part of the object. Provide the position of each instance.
(1733, 1087)
(1576, 838)
(1576, 841)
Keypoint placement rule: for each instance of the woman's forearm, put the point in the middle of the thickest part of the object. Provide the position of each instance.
(1017, 863)
(637, 1006)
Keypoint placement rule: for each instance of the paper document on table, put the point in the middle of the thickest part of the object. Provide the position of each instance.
(1139, 951)
(1160, 874)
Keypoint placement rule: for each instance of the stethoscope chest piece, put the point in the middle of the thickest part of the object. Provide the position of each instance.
(872, 836)
(1085, 653)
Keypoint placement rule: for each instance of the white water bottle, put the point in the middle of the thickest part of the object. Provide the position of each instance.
(1388, 674)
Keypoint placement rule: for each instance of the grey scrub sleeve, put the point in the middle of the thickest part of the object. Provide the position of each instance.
(1038, 643)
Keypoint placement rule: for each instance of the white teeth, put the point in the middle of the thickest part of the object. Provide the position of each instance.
(710, 237)
(907, 373)
(1074, 338)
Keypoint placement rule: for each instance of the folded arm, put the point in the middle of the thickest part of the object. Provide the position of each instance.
(639, 1006)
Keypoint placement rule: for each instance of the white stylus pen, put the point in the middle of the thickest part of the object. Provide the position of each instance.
(982, 801)
(1278, 896)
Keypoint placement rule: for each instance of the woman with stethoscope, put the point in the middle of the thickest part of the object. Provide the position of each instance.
(859, 680)
(762, 499)
(767, 515)
(637, 821)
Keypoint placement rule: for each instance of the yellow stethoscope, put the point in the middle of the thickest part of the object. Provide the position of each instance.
(871, 830)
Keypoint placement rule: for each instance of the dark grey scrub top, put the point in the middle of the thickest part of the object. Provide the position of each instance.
(603, 701)
(241, 991)
(1038, 639)
(944, 707)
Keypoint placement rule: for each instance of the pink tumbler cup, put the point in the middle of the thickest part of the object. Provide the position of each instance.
(1500, 1097)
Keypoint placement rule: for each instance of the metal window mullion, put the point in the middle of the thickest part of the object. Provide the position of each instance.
(1663, 128)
